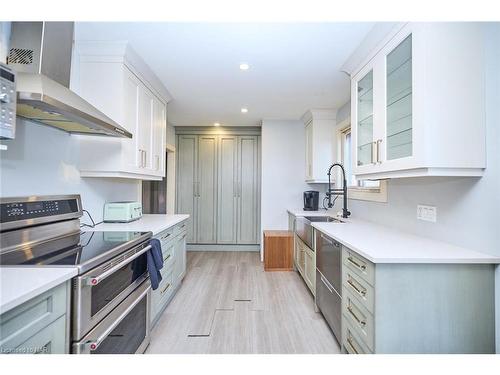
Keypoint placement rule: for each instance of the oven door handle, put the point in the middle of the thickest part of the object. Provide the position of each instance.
(93, 345)
(94, 280)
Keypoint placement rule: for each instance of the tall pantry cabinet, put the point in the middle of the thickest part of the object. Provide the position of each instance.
(218, 184)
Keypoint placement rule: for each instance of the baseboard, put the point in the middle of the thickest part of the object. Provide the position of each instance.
(220, 247)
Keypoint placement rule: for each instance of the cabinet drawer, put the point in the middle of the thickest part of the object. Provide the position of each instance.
(50, 340)
(168, 251)
(360, 265)
(359, 317)
(180, 228)
(359, 288)
(351, 340)
(22, 322)
(166, 235)
(160, 296)
(310, 269)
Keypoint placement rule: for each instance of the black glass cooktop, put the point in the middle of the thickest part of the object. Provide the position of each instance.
(79, 250)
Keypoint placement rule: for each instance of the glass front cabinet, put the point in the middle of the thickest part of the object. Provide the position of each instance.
(410, 114)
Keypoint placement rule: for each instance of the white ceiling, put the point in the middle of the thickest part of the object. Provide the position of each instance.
(293, 66)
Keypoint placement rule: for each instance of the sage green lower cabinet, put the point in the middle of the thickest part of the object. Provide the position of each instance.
(173, 246)
(38, 326)
(305, 263)
(416, 308)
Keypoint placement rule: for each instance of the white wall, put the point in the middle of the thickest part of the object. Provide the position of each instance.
(283, 166)
(468, 209)
(43, 161)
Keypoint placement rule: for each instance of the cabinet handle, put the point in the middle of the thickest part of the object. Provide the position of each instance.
(165, 289)
(168, 256)
(166, 236)
(360, 292)
(157, 158)
(378, 151)
(360, 266)
(374, 145)
(349, 341)
(198, 188)
(360, 322)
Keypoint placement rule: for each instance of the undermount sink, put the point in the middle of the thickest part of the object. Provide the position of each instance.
(325, 219)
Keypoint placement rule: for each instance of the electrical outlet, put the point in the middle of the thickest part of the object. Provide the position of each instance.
(427, 213)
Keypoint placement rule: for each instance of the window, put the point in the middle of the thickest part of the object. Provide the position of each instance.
(358, 189)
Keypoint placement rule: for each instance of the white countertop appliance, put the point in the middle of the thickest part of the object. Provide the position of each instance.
(122, 212)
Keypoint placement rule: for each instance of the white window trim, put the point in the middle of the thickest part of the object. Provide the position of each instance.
(359, 193)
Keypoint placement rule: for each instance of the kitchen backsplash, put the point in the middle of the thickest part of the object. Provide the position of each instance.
(43, 161)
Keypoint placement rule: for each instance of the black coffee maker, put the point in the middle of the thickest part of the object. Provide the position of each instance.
(311, 199)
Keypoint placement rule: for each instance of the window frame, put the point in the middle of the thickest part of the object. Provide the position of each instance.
(374, 194)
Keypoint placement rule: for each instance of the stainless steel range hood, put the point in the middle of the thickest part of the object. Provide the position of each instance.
(41, 54)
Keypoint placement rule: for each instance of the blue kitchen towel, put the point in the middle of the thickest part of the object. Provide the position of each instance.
(155, 262)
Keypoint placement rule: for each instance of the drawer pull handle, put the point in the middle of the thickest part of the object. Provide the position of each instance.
(361, 292)
(168, 256)
(360, 322)
(165, 289)
(166, 236)
(349, 341)
(360, 266)
(183, 225)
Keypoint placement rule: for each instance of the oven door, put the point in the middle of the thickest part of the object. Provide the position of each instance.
(97, 292)
(125, 330)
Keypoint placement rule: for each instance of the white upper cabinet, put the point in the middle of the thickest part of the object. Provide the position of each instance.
(417, 104)
(113, 79)
(319, 139)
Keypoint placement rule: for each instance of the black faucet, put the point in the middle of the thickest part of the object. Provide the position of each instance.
(343, 191)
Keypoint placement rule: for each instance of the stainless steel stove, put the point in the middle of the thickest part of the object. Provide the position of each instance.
(110, 295)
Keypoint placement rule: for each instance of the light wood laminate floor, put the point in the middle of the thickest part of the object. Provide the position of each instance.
(228, 304)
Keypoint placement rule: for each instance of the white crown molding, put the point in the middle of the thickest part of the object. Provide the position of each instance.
(378, 36)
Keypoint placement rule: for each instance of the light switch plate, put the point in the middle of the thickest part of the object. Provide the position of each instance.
(427, 213)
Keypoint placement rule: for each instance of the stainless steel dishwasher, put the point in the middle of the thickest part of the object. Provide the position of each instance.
(328, 281)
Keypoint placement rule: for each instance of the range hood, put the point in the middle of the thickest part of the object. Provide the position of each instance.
(41, 52)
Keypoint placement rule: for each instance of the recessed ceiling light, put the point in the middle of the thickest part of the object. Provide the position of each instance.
(244, 66)
(244, 110)
(216, 124)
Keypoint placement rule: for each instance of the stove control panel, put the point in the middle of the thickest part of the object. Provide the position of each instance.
(48, 209)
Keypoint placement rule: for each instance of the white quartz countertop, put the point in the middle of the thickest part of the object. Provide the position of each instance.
(382, 244)
(20, 284)
(155, 223)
